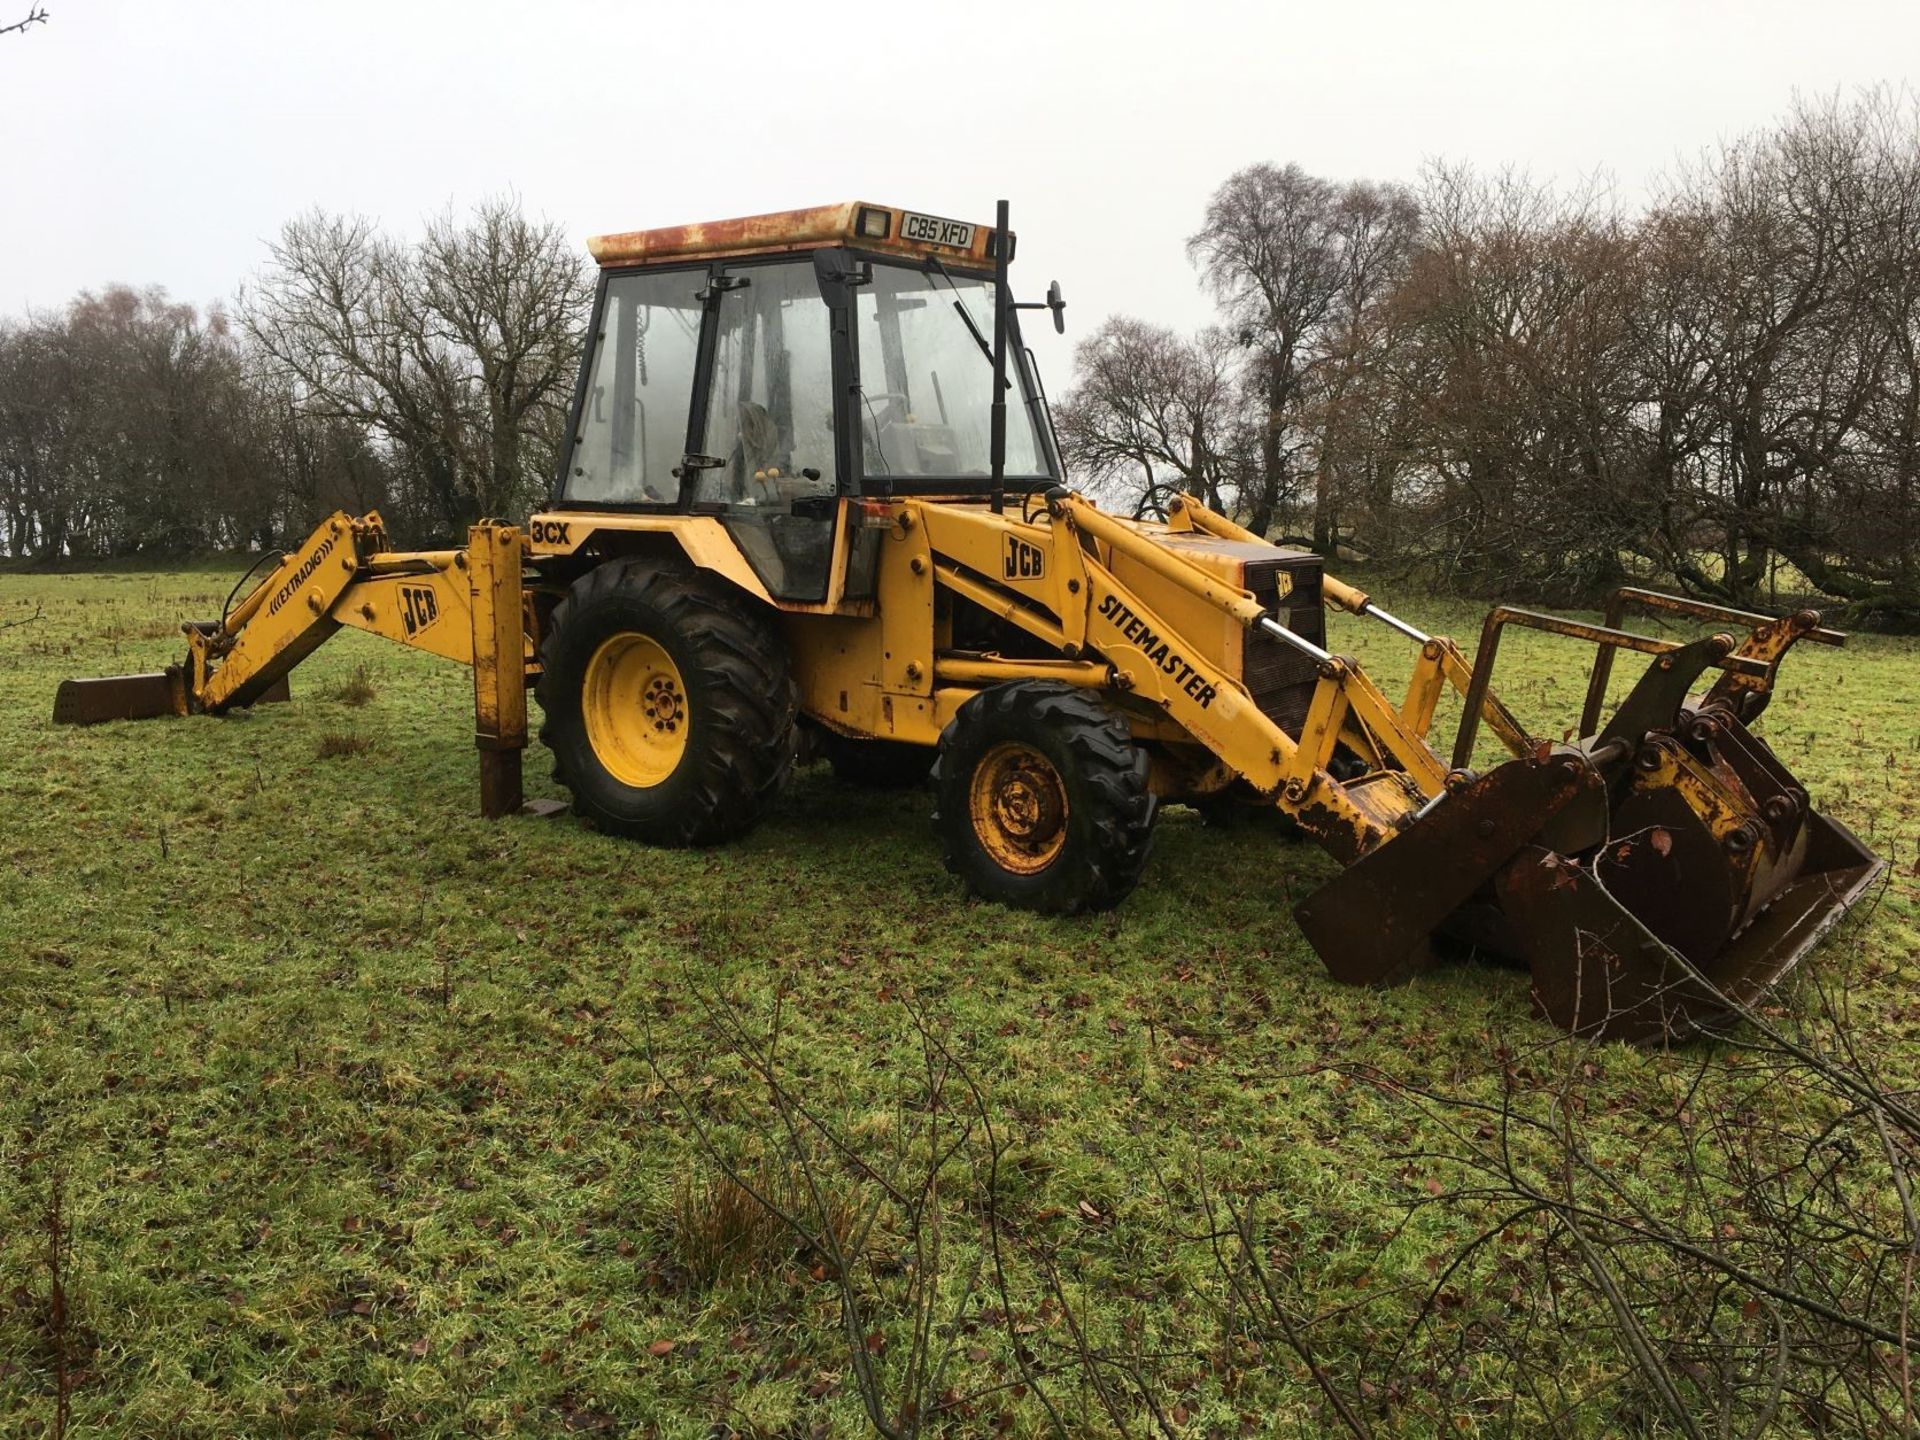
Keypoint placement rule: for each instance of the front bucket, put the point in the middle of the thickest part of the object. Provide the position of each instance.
(1372, 923)
(1599, 971)
(1657, 882)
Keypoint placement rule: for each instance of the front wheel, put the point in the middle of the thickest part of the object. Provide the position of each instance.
(669, 710)
(1042, 799)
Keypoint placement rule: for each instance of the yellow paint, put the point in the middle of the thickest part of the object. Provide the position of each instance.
(1154, 617)
(634, 704)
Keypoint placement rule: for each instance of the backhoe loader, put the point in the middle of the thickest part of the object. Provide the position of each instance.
(811, 497)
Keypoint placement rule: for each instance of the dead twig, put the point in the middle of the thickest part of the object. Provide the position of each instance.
(35, 16)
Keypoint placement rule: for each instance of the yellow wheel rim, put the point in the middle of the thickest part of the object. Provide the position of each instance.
(635, 706)
(1018, 804)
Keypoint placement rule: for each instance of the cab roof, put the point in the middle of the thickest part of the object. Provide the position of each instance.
(882, 228)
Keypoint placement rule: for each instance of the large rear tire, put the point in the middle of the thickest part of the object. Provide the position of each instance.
(669, 708)
(1042, 799)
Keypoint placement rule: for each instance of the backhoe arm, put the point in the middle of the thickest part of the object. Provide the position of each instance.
(464, 605)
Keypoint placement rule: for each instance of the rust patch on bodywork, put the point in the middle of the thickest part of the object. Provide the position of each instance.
(779, 232)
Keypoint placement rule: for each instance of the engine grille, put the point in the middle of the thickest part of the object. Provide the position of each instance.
(1279, 677)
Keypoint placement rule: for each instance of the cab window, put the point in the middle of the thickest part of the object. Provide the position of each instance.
(770, 404)
(632, 429)
(768, 462)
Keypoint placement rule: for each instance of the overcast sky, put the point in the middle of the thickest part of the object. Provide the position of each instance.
(161, 143)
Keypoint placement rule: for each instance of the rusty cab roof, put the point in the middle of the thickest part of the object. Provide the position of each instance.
(880, 228)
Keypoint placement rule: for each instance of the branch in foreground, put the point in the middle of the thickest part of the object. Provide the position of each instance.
(35, 16)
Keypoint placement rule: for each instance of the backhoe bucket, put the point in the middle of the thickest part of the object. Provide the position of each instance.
(129, 697)
(119, 697)
(1658, 878)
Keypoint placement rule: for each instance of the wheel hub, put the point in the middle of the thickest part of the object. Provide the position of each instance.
(1018, 804)
(634, 703)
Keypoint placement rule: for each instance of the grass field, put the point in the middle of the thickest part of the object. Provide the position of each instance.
(347, 1099)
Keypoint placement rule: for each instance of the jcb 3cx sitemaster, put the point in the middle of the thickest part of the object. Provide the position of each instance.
(812, 492)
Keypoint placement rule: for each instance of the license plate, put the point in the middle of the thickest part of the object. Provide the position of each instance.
(932, 230)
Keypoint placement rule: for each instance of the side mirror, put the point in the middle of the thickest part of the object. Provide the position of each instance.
(1057, 303)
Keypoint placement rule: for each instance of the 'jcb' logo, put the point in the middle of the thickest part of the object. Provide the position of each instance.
(551, 532)
(1023, 560)
(419, 608)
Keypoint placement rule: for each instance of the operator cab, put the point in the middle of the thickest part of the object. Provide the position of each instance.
(766, 371)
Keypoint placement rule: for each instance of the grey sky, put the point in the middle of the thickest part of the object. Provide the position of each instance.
(161, 143)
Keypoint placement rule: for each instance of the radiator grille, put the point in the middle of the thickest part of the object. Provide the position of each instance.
(1279, 677)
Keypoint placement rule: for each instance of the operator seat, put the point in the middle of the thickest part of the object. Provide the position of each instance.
(759, 446)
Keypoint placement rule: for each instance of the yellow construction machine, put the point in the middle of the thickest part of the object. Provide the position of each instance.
(811, 500)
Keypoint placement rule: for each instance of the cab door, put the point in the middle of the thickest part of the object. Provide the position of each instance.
(769, 459)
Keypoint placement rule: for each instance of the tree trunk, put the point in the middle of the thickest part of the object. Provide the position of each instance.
(1266, 498)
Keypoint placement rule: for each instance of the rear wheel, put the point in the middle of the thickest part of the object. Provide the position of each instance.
(669, 710)
(1042, 799)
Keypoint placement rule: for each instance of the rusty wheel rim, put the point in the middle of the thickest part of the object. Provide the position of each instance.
(1018, 804)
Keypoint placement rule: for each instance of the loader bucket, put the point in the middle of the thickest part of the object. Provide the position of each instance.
(1599, 969)
(1657, 879)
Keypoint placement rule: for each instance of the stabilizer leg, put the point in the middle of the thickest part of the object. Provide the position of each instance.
(495, 556)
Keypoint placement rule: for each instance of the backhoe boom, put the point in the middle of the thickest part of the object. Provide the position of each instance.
(464, 605)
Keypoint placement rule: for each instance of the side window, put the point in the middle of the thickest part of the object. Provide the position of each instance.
(632, 430)
(770, 408)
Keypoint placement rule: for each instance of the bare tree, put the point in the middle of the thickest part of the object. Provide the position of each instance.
(1297, 265)
(1514, 373)
(1152, 413)
(457, 350)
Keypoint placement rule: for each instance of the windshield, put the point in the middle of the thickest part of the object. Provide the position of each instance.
(926, 386)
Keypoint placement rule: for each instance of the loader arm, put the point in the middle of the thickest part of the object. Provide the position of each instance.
(1079, 603)
(465, 605)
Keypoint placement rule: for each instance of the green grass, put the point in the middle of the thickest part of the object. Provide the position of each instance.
(346, 1092)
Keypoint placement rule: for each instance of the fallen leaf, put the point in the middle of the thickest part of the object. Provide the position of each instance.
(659, 1348)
